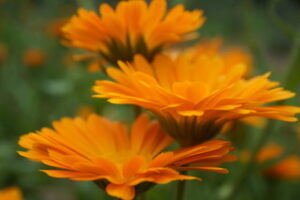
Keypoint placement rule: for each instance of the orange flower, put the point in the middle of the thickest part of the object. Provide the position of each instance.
(101, 150)
(132, 28)
(34, 57)
(12, 193)
(286, 168)
(194, 97)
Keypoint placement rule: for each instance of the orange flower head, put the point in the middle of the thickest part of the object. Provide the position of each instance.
(133, 27)
(12, 193)
(34, 57)
(194, 96)
(286, 168)
(104, 151)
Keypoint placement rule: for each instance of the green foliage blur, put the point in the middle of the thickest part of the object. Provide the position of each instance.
(32, 96)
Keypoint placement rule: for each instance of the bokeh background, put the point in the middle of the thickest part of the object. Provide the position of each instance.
(40, 83)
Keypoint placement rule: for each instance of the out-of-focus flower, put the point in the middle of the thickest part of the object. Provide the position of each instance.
(257, 122)
(3, 53)
(85, 111)
(34, 57)
(287, 167)
(133, 27)
(101, 150)
(12, 193)
(55, 26)
(213, 47)
(193, 99)
(269, 152)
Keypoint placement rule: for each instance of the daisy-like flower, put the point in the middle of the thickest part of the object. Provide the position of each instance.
(194, 97)
(12, 193)
(121, 162)
(133, 27)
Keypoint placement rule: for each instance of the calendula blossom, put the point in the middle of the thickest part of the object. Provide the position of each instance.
(100, 150)
(193, 97)
(12, 193)
(133, 27)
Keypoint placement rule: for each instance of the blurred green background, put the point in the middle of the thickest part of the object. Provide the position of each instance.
(39, 83)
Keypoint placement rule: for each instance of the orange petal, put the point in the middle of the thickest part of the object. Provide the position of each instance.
(122, 191)
(132, 166)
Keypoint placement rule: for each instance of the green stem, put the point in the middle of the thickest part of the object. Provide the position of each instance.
(247, 10)
(181, 187)
(272, 189)
(180, 190)
(292, 79)
(291, 82)
(281, 24)
(246, 170)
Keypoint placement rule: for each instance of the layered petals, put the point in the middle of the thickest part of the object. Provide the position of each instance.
(132, 27)
(200, 93)
(96, 149)
(12, 193)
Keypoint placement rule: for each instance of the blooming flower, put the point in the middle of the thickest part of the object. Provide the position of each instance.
(12, 193)
(101, 150)
(132, 28)
(194, 96)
